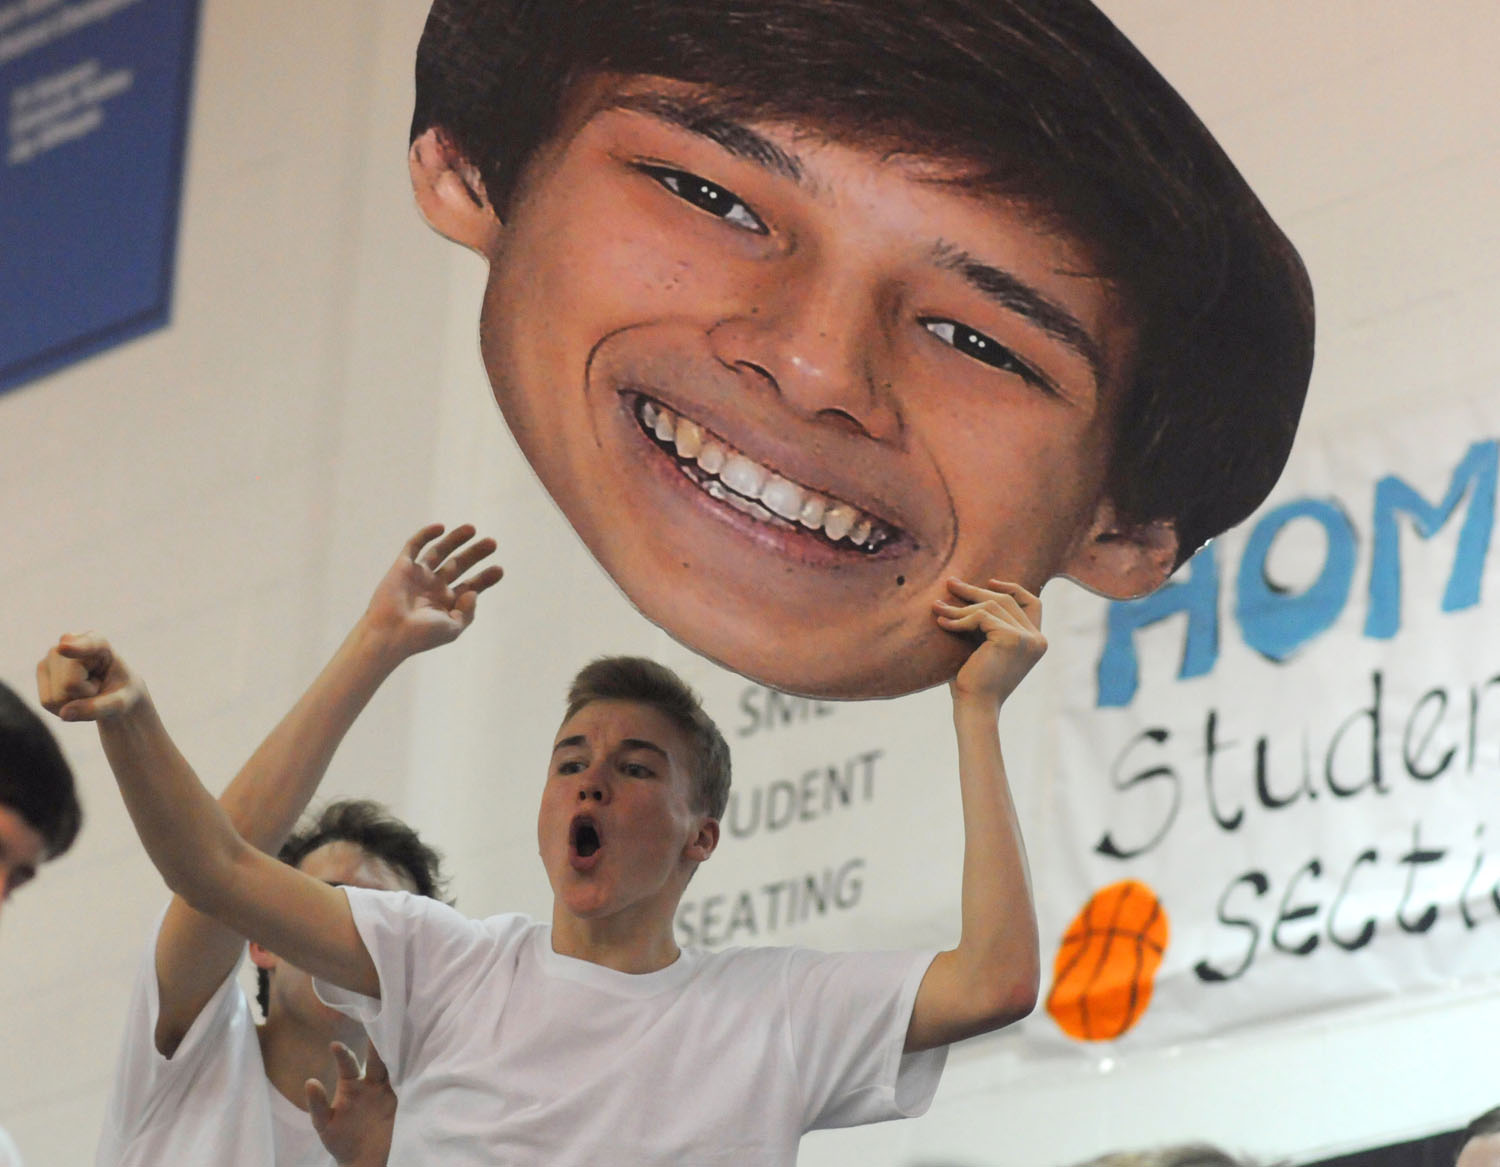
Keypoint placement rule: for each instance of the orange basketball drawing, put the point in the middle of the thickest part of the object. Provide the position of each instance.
(1107, 961)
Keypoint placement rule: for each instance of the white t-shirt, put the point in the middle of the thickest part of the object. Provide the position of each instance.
(10, 1155)
(210, 1104)
(503, 1051)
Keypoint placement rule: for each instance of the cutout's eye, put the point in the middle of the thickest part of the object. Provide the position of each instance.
(977, 345)
(708, 196)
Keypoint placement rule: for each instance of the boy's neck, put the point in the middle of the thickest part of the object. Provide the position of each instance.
(627, 945)
(292, 1054)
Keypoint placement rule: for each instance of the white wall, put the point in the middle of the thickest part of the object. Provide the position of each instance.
(219, 496)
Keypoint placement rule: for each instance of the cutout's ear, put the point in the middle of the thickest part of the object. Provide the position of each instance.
(1121, 561)
(702, 845)
(450, 193)
(263, 958)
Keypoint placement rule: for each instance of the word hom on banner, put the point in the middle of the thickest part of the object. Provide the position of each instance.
(1277, 622)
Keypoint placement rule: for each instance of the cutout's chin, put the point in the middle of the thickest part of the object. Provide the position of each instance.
(836, 662)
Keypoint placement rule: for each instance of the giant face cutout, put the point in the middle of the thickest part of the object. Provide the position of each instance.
(784, 386)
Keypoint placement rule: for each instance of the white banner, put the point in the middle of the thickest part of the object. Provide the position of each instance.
(1292, 752)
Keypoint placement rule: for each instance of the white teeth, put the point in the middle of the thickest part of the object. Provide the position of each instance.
(689, 438)
(782, 497)
(711, 457)
(837, 521)
(749, 487)
(743, 476)
(812, 511)
(717, 490)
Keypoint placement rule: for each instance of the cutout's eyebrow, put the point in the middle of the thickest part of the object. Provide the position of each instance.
(706, 119)
(1021, 298)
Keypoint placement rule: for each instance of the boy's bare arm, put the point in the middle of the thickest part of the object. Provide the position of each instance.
(422, 601)
(991, 978)
(187, 833)
(418, 604)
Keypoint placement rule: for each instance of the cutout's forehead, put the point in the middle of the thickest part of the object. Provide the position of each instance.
(770, 137)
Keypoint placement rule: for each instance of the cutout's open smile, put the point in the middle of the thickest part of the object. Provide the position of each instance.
(728, 476)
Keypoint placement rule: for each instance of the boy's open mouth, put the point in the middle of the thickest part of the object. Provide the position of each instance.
(584, 839)
(728, 476)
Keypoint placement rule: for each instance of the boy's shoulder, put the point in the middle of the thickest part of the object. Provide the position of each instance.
(415, 915)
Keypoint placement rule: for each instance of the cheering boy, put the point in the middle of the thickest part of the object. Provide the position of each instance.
(596, 1037)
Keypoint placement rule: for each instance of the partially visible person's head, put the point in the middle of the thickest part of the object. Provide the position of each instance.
(644, 682)
(969, 291)
(359, 843)
(1479, 1146)
(39, 811)
(1181, 1155)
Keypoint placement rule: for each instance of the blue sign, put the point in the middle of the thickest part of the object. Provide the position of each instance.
(95, 97)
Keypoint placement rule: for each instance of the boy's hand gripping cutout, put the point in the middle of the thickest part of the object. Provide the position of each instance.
(1009, 619)
(990, 979)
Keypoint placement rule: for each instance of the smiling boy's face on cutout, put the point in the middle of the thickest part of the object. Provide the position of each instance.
(783, 388)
